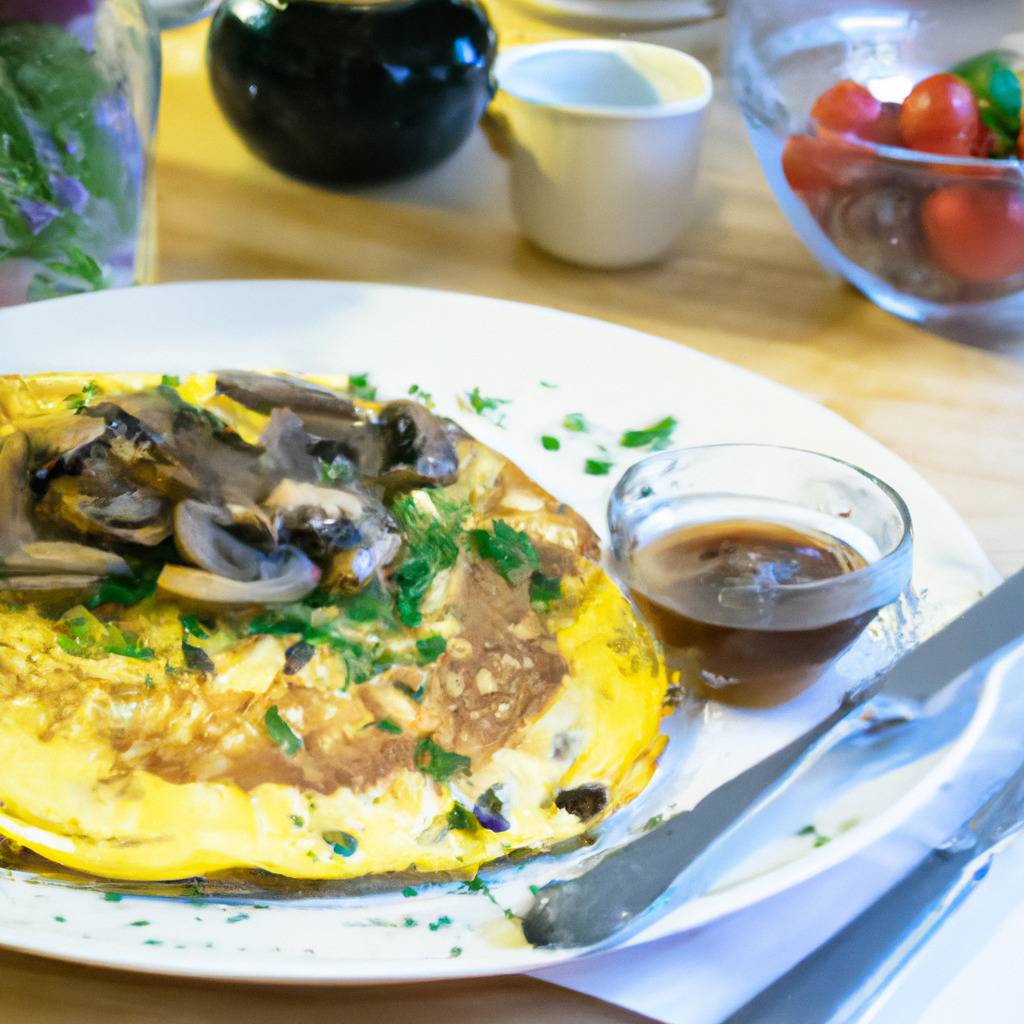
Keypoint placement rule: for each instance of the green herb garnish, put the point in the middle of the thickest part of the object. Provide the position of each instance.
(423, 396)
(597, 467)
(544, 591)
(549, 443)
(659, 435)
(575, 422)
(408, 892)
(461, 819)
(168, 380)
(438, 763)
(511, 551)
(297, 821)
(193, 627)
(431, 648)
(546, 384)
(433, 546)
(281, 732)
(344, 844)
(359, 386)
(340, 471)
(84, 399)
(455, 952)
(441, 922)
(487, 407)
(386, 725)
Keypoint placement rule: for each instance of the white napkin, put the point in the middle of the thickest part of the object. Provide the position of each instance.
(703, 975)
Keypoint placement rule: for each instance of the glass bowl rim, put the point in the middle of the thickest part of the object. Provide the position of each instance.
(887, 562)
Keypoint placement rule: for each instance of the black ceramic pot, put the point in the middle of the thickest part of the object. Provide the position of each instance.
(341, 93)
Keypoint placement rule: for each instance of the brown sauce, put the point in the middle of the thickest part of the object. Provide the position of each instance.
(742, 666)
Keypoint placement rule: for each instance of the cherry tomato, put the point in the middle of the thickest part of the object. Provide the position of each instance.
(885, 129)
(941, 116)
(975, 231)
(846, 107)
(812, 163)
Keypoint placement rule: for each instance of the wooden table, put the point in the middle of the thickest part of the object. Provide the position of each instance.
(739, 285)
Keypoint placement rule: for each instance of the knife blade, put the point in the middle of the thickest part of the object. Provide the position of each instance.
(619, 889)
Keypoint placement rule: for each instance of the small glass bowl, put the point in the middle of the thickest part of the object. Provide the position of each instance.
(785, 633)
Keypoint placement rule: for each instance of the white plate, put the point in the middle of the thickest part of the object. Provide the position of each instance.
(449, 344)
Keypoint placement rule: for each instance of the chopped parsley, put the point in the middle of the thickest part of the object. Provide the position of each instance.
(359, 386)
(549, 443)
(431, 648)
(819, 839)
(281, 732)
(297, 821)
(170, 381)
(442, 922)
(455, 952)
(112, 897)
(658, 435)
(544, 591)
(344, 844)
(340, 471)
(386, 725)
(462, 820)
(546, 384)
(438, 763)
(575, 422)
(84, 399)
(193, 627)
(422, 396)
(488, 407)
(409, 891)
(597, 467)
(235, 918)
(127, 592)
(511, 551)
(433, 546)
(84, 636)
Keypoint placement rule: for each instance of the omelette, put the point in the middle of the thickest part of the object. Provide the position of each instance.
(255, 621)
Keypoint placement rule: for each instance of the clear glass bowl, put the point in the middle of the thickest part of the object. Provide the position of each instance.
(867, 225)
(753, 637)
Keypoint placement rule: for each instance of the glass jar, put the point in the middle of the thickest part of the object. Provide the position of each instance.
(79, 87)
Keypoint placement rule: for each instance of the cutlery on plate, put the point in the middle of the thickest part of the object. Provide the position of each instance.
(622, 886)
(845, 977)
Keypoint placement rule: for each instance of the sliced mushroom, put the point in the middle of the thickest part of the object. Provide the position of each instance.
(47, 584)
(265, 392)
(44, 558)
(202, 536)
(418, 450)
(286, 576)
(287, 449)
(57, 434)
(348, 531)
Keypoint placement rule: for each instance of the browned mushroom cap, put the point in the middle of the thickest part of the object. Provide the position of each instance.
(202, 535)
(15, 527)
(345, 529)
(265, 392)
(418, 450)
(285, 576)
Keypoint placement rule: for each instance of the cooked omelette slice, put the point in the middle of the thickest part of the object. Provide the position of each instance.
(248, 622)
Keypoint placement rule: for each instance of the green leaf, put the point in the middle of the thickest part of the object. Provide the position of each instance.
(340, 471)
(659, 433)
(488, 407)
(575, 422)
(551, 444)
(193, 627)
(169, 381)
(359, 386)
(461, 819)
(511, 551)
(544, 591)
(281, 732)
(386, 725)
(597, 467)
(438, 763)
(431, 648)
(442, 922)
(85, 398)
(422, 396)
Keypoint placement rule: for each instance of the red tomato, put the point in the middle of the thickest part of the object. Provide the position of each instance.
(812, 163)
(941, 116)
(975, 231)
(1020, 145)
(846, 107)
(885, 129)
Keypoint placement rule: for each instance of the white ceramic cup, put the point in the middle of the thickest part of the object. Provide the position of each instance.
(603, 137)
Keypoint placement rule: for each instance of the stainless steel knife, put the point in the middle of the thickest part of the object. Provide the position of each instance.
(620, 888)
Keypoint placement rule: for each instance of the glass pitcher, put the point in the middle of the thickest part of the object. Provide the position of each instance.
(79, 88)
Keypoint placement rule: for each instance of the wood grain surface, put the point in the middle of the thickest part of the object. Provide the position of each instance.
(739, 285)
